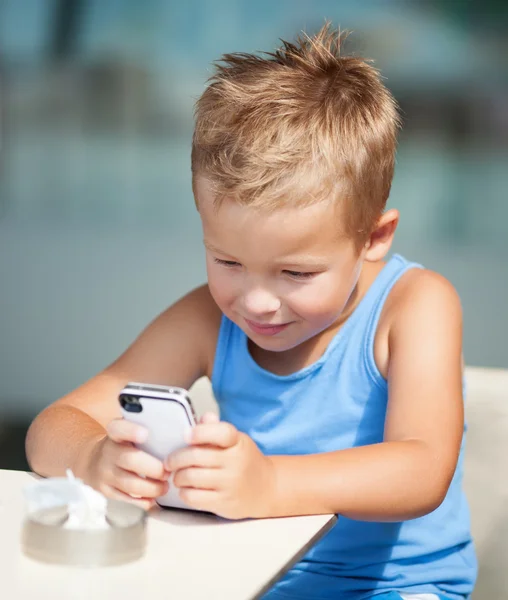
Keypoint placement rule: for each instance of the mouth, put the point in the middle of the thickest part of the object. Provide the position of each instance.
(266, 329)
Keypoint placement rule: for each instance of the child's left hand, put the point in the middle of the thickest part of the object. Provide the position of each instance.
(223, 471)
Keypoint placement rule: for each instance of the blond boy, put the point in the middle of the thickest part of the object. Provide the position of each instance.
(338, 374)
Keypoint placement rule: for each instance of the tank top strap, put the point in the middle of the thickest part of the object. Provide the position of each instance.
(375, 297)
(372, 306)
(228, 346)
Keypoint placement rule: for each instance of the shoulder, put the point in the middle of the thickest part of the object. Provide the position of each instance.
(201, 303)
(425, 314)
(178, 346)
(207, 317)
(422, 305)
(194, 315)
(423, 293)
(198, 312)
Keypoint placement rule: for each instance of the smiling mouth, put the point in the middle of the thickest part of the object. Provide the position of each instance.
(266, 329)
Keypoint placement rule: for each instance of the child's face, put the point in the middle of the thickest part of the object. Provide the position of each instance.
(281, 276)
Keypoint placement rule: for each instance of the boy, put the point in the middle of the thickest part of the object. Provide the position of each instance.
(338, 375)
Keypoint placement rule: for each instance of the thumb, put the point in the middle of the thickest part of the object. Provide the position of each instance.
(121, 430)
(209, 417)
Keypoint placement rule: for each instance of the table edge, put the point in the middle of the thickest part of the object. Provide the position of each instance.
(297, 557)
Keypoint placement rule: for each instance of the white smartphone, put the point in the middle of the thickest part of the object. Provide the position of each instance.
(167, 413)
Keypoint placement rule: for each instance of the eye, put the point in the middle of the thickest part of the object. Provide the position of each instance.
(225, 263)
(300, 274)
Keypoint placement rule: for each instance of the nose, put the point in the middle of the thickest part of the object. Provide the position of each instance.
(259, 301)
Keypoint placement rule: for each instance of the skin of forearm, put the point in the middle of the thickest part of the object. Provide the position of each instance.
(391, 481)
(62, 437)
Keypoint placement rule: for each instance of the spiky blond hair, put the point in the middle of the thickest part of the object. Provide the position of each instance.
(296, 126)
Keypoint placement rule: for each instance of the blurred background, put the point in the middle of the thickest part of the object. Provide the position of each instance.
(98, 230)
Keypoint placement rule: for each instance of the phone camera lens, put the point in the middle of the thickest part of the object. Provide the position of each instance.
(130, 403)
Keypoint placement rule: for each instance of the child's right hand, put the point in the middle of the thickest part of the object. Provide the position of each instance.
(121, 471)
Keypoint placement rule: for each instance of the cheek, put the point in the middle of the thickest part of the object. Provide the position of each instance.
(320, 301)
(221, 285)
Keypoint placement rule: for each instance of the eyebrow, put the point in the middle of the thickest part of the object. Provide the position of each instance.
(213, 248)
(292, 261)
(303, 261)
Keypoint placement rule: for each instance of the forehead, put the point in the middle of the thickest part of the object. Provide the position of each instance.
(235, 228)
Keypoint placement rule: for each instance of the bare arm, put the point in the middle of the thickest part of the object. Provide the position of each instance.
(407, 475)
(175, 349)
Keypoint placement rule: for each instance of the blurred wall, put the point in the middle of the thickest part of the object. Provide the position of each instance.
(98, 230)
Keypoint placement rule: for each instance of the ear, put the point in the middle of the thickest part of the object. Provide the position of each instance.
(381, 238)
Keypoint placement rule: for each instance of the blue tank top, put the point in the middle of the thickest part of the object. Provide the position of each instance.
(335, 403)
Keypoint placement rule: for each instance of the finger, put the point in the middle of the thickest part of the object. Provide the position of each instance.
(139, 462)
(121, 430)
(198, 477)
(219, 434)
(210, 417)
(145, 504)
(206, 500)
(194, 456)
(133, 485)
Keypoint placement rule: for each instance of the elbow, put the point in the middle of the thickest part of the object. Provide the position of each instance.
(35, 443)
(439, 494)
(434, 476)
(432, 499)
(31, 446)
(429, 505)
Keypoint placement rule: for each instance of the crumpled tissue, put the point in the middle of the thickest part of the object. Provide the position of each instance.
(86, 506)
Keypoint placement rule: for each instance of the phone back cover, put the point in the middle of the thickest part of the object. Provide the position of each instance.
(167, 422)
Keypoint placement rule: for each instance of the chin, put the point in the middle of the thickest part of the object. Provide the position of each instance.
(272, 344)
(271, 347)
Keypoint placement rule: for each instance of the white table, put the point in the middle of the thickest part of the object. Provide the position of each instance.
(189, 556)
